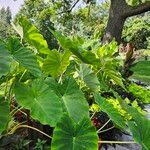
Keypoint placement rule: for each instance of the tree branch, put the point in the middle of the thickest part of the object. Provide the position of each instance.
(70, 9)
(135, 10)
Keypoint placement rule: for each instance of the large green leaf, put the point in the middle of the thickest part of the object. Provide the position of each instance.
(110, 110)
(56, 63)
(88, 76)
(27, 59)
(43, 103)
(72, 98)
(4, 114)
(71, 136)
(114, 75)
(13, 50)
(141, 71)
(33, 37)
(5, 59)
(140, 128)
(76, 48)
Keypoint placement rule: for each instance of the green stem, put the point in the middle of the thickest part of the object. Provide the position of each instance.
(5, 92)
(22, 75)
(93, 115)
(117, 142)
(107, 129)
(103, 125)
(60, 79)
(16, 110)
(30, 127)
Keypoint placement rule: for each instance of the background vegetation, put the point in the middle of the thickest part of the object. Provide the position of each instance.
(74, 77)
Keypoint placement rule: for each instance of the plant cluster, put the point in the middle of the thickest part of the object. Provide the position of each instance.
(59, 86)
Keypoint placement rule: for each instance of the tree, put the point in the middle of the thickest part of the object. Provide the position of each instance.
(5, 20)
(119, 11)
(40, 12)
(137, 31)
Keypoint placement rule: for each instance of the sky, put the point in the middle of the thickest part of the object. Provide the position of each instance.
(14, 5)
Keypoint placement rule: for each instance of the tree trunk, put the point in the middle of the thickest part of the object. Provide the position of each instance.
(116, 21)
(114, 29)
(118, 12)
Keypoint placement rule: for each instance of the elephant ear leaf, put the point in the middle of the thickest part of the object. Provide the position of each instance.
(40, 100)
(110, 110)
(22, 55)
(76, 48)
(141, 71)
(28, 60)
(4, 115)
(56, 63)
(5, 59)
(33, 36)
(72, 98)
(71, 136)
(88, 76)
(140, 128)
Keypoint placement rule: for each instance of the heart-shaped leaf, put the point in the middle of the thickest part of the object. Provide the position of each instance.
(72, 98)
(71, 136)
(33, 36)
(43, 103)
(56, 63)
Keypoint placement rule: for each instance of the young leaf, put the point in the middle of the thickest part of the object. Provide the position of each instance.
(140, 128)
(71, 136)
(110, 110)
(43, 103)
(72, 98)
(56, 63)
(88, 76)
(115, 76)
(4, 114)
(76, 48)
(33, 37)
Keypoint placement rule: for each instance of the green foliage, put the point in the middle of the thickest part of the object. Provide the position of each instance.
(141, 93)
(88, 76)
(137, 31)
(76, 48)
(60, 61)
(72, 98)
(49, 84)
(40, 144)
(5, 28)
(136, 2)
(4, 114)
(140, 128)
(32, 36)
(110, 110)
(123, 112)
(69, 135)
(12, 51)
(5, 59)
(141, 71)
(39, 97)
(108, 68)
(40, 12)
